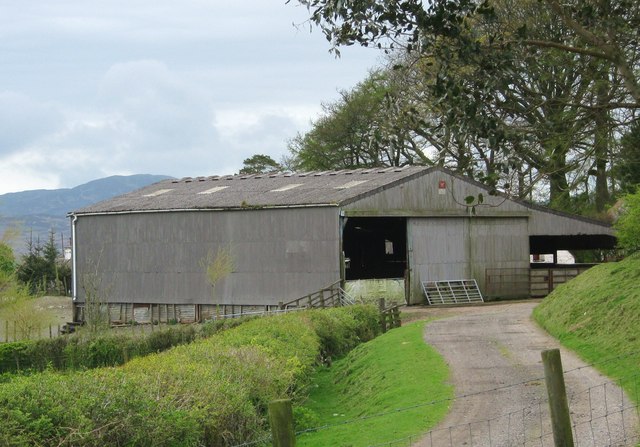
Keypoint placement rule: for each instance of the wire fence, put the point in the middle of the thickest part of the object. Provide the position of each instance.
(603, 414)
(12, 331)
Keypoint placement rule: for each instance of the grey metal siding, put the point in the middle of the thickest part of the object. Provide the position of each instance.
(451, 248)
(157, 257)
(550, 224)
(421, 197)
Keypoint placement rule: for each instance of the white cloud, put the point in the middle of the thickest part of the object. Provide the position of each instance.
(139, 86)
(24, 120)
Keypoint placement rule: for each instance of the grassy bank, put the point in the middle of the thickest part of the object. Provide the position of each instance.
(394, 371)
(211, 392)
(598, 316)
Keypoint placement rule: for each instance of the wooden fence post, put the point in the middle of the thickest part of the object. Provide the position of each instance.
(396, 316)
(383, 315)
(281, 422)
(560, 418)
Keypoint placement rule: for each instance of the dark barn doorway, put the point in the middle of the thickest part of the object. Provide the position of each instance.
(375, 247)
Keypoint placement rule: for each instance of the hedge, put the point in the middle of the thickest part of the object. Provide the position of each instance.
(211, 392)
(85, 351)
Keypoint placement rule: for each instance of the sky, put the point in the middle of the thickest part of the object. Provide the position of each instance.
(90, 89)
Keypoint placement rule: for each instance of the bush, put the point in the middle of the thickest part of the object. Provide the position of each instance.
(14, 356)
(212, 392)
(340, 330)
(86, 351)
(7, 259)
(628, 224)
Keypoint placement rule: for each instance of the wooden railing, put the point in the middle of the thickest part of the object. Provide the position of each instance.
(331, 296)
(389, 316)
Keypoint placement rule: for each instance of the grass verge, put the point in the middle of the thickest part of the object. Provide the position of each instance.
(394, 371)
(597, 315)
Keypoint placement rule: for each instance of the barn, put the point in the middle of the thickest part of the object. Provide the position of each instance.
(272, 238)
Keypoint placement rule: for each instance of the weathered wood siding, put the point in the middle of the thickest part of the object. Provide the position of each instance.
(278, 255)
(450, 248)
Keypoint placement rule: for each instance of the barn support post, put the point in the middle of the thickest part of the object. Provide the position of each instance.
(281, 422)
(560, 417)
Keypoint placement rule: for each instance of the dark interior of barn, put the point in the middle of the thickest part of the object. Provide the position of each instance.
(375, 247)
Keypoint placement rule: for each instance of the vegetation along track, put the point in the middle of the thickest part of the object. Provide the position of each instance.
(494, 352)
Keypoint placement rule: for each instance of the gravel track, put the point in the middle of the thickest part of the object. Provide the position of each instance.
(494, 352)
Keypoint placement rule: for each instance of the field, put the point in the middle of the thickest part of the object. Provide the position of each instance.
(55, 311)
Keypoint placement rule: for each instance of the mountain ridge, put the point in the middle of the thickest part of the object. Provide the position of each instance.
(36, 212)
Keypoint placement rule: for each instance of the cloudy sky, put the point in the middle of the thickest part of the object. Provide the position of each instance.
(90, 89)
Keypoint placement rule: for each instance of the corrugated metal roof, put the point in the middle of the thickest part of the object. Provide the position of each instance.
(257, 191)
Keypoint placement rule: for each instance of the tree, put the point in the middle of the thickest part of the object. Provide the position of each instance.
(96, 291)
(41, 269)
(628, 224)
(259, 164)
(605, 30)
(366, 127)
(7, 259)
(217, 268)
(519, 92)
(627, 167)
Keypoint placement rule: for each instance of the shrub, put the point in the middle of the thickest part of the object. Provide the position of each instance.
(340, 330)
(212, 392)
(628, 224)
(86, 350)
(14, 356)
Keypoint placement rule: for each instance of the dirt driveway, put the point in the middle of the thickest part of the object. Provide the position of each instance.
(494, 355)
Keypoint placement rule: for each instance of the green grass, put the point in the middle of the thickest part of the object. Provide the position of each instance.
(396, 370)
(597, 315)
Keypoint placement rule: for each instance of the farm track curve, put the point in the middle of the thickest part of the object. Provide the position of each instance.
(494, 353)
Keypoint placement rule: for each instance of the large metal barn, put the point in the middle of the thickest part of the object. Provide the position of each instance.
(276, 237)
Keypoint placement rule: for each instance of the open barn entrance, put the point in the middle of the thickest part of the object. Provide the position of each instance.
(375, 247)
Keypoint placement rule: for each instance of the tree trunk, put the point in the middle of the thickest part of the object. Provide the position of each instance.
(601, 140)
(558, 185)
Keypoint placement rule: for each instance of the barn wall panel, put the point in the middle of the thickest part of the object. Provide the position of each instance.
(422, 196)
(278, 255)
(452, 248)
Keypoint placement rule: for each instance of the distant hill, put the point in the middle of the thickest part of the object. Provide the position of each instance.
(37, 212)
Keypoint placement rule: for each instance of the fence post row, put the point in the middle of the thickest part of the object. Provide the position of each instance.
(558, 405)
